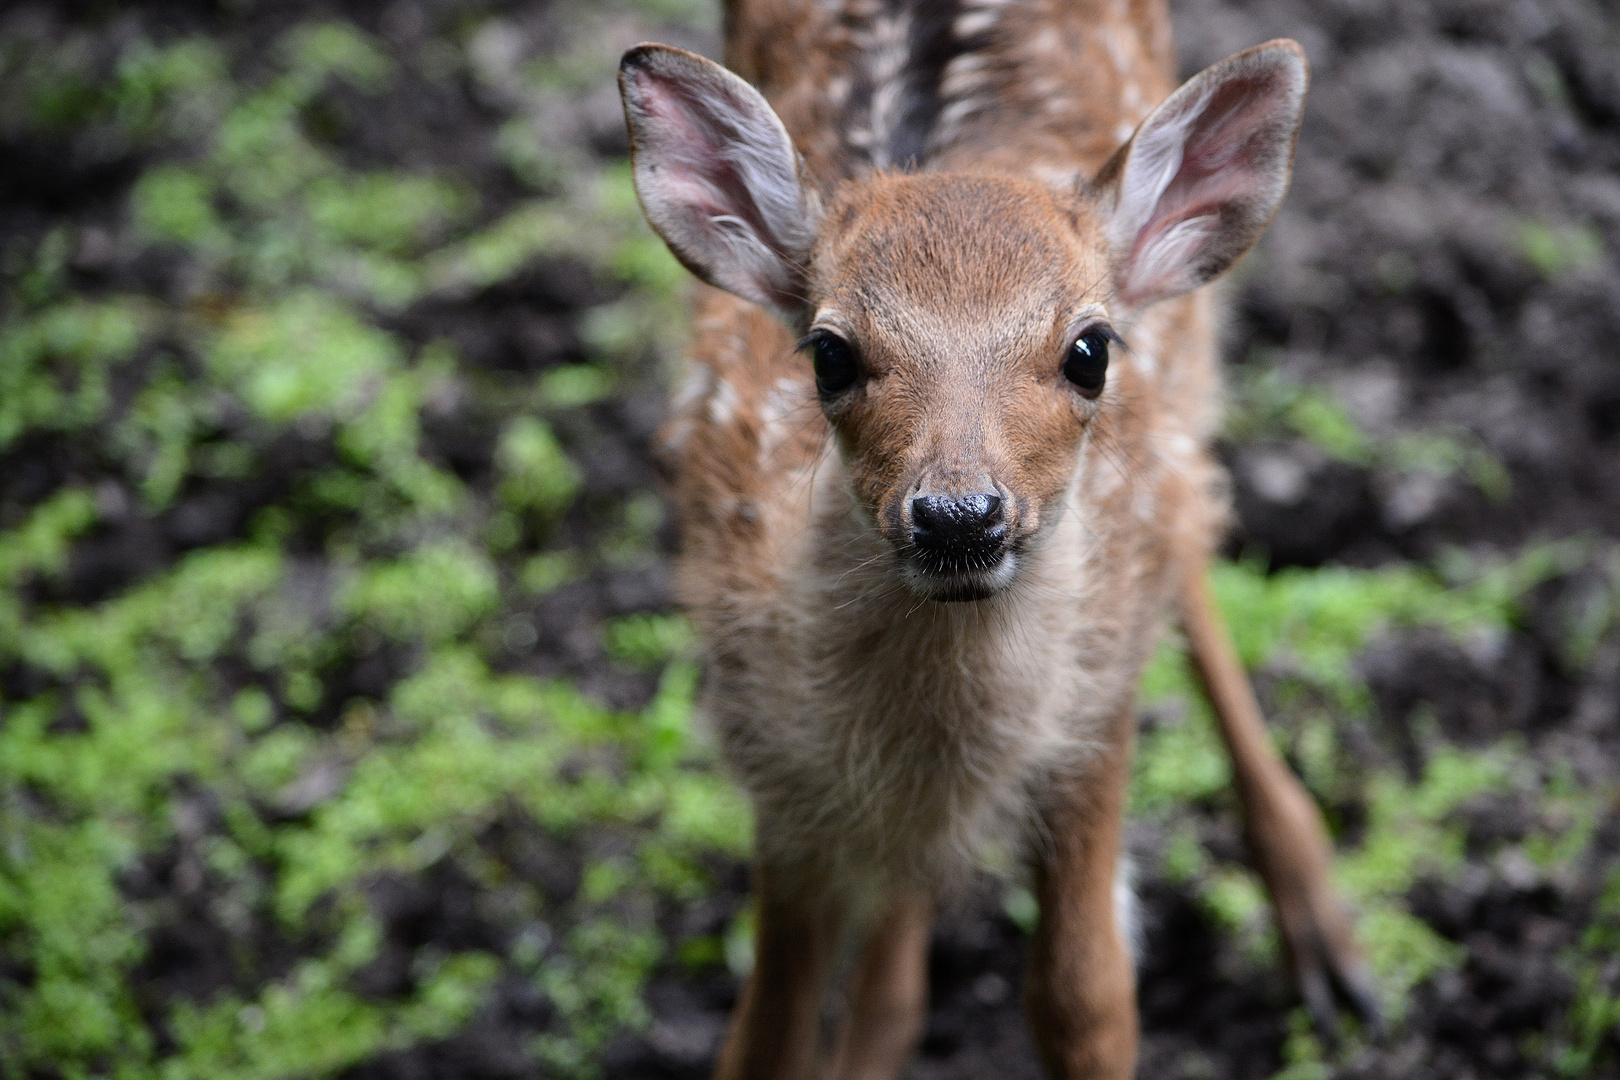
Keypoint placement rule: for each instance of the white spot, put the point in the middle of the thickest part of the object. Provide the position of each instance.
(1182, 445)
(951, 117)
(1145, 502)
(1116, 50)
(964, 75)
(779, 404)
(1055, 176)
(723, 402)
(1124, 130)
(699, 382)
(970, 23)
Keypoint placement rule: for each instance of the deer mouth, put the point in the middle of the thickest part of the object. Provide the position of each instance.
(959, 577)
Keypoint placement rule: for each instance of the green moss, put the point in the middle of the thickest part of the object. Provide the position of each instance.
(535, 473)
(1556, 251)
(499, 250)
(1307, 627)
(392, 214)
(315, 52)
(1181, 762)
(1270, 405)
(212, 681)
(1303, 1051)
(596, 987)
(171, 90)
(158, 433)
(1021, 907)
(55, 366)
(573, 385)
(1403, 952)
(646, 640)
(1313, 623)
(1269, 402)
(705, 951)
(67, 919)
(1587, 1043)
(261, 153)
(1236, 901)
(548, 571)
(40, 545)
(634, 542)
(175, 204)
(306, 353)
(435, 592)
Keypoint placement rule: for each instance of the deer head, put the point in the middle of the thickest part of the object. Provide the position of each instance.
(960, 325)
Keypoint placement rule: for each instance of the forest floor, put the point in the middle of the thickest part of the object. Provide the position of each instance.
(345, 716)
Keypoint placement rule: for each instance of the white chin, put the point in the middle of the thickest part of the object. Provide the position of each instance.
(963, 586)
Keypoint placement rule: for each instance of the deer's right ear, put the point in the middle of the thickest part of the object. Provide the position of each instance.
(1201, 178)
(718, 176)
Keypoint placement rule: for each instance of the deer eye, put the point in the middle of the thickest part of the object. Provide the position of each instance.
(835, 363)
(1086, 362)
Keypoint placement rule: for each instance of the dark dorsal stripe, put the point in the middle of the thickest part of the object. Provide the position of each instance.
(895, 100)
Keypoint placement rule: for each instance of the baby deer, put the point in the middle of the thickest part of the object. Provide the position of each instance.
(942, 466)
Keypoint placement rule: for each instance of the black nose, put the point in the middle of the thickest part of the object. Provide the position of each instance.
(962, 532)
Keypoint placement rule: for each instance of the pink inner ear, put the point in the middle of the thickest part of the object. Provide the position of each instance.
(690, 154)
(695, 152)
(717, 176)
(1224, 154)
(1228, 159)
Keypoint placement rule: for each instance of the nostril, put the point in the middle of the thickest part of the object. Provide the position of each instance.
(927, 512)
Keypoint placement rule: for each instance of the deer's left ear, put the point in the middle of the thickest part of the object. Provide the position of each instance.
(1201, 178)
(718, 176)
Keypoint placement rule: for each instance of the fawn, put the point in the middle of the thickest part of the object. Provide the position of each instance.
(943, 464)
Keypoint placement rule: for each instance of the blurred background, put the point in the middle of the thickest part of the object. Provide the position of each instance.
(345, 719)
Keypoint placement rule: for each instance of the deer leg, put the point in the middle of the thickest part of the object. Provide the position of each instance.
(775, 1029)
(1282, 826)
(1082, 985)
(888, 994)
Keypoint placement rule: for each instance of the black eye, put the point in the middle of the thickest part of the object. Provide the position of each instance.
(835, 363)
(1086, 364)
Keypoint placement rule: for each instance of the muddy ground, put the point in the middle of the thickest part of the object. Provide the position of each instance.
(1445, 268)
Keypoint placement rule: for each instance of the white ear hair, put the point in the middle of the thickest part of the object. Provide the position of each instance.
(1204, 173)
(717, 176)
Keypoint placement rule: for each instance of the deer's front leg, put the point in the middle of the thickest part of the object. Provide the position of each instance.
(1082, 985)
(774, 1031)
(1282, 825)
(888, 1000)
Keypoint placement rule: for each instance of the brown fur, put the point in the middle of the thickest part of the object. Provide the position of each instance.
(886, 737)
(888, 993)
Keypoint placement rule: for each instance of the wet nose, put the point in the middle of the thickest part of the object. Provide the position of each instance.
(958, 528)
